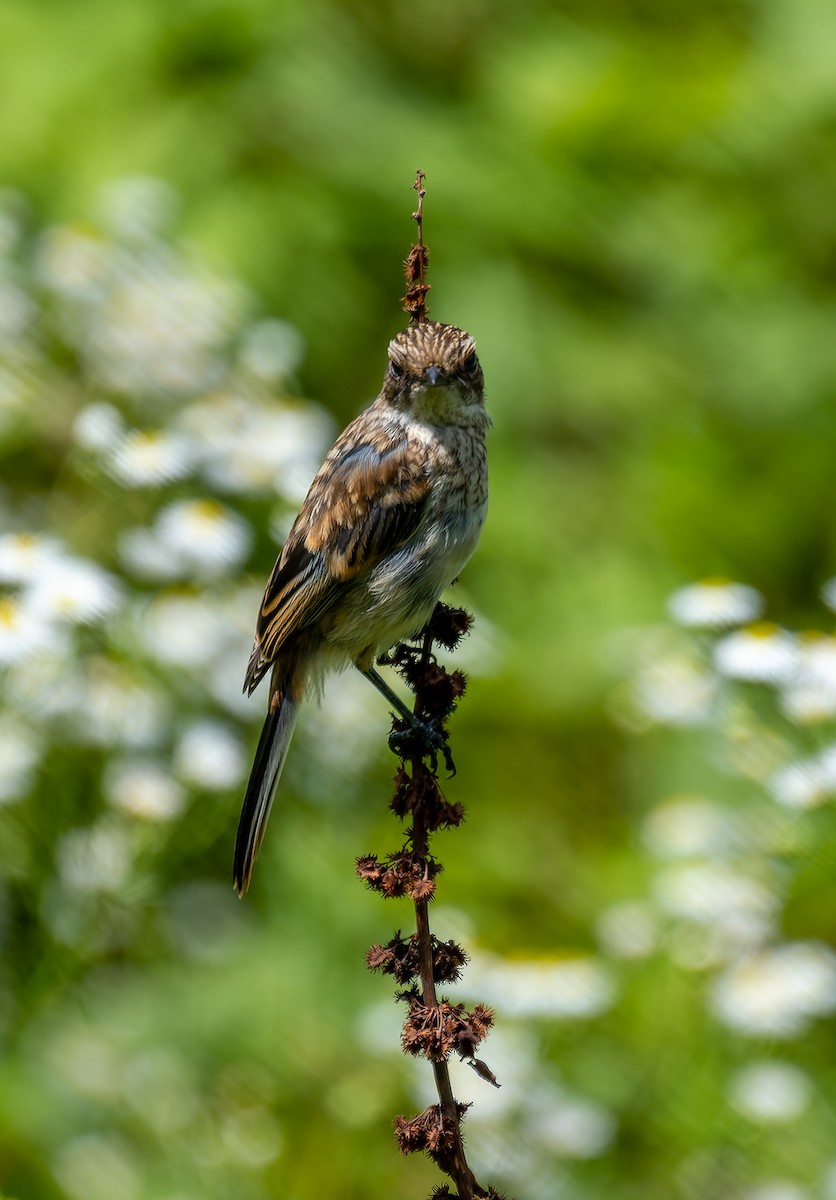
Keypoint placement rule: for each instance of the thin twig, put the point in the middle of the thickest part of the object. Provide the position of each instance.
(417, 262)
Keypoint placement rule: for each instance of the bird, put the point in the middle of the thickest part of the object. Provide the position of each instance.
(392, 516)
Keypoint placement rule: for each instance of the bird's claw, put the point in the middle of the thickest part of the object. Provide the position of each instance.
(425, 737)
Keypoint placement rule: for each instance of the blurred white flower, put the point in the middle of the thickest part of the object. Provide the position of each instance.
(761, 653)
(204, 536)
(710, 892)
(770, 1093)
(98, 426)
(23, 556)
(828, 593)
(74, 590)
(94, 860)
(628, 930)
(224, 678)
(675, 690)
(826, 759)
(715, 603)
(778, 1189)
(342, 730)
(20, 753)
(98, 1166)
(147, 458)
(810, 695)
(160, 328)
(84, 1060)
(23, 632)
(47, 685)
(247, 446)
(209, 755)
(143, 788)
(272, 350)
(777, 992)
(183, 631)
(570, 988)
(143, 553)
(17, 312)
(802, 784)
(116, 709)
(74, 260)
(691, 826)
(137, 207)
(572, 1127)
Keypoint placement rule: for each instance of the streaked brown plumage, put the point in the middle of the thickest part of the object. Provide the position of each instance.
(391, 518)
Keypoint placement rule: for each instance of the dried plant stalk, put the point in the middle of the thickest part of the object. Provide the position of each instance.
(434, 1027)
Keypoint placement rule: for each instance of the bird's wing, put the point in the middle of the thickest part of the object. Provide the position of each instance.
(366, 501)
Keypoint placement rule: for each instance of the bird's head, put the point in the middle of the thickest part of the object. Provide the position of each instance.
(434, 373)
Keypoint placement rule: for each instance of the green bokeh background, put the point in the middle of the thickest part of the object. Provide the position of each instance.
(630, 206)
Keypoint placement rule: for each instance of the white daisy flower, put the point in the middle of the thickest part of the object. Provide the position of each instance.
(675, 691)
(711, 892)
(777, 992)
(248, 447)
(801, 784)
(770, 1093)
(160, 330)
(806, 702)
(148, 458)
(23, 556)
(810, 696)
(75, 590)
(569, 988)
(714, 604)
(24, 632)
(827, 765)
(761, 653)
(144, 789)
(690, 826)
(209, 755)
(98, 427)
(204, 536)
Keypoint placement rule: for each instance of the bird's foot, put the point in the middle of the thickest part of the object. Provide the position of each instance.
(425, 738)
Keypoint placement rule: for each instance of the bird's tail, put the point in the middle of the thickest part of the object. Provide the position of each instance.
(285, 695)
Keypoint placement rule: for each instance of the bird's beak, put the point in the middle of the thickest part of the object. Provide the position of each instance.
(433, 375)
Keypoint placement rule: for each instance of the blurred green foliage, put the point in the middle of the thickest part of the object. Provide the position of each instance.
(630, 205)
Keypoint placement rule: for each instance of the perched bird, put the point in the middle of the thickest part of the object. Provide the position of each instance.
(391, 518)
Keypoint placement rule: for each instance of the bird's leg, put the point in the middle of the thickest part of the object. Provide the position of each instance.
(425, 730)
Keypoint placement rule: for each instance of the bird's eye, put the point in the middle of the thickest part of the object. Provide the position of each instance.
(395, 369)
(471, 363)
